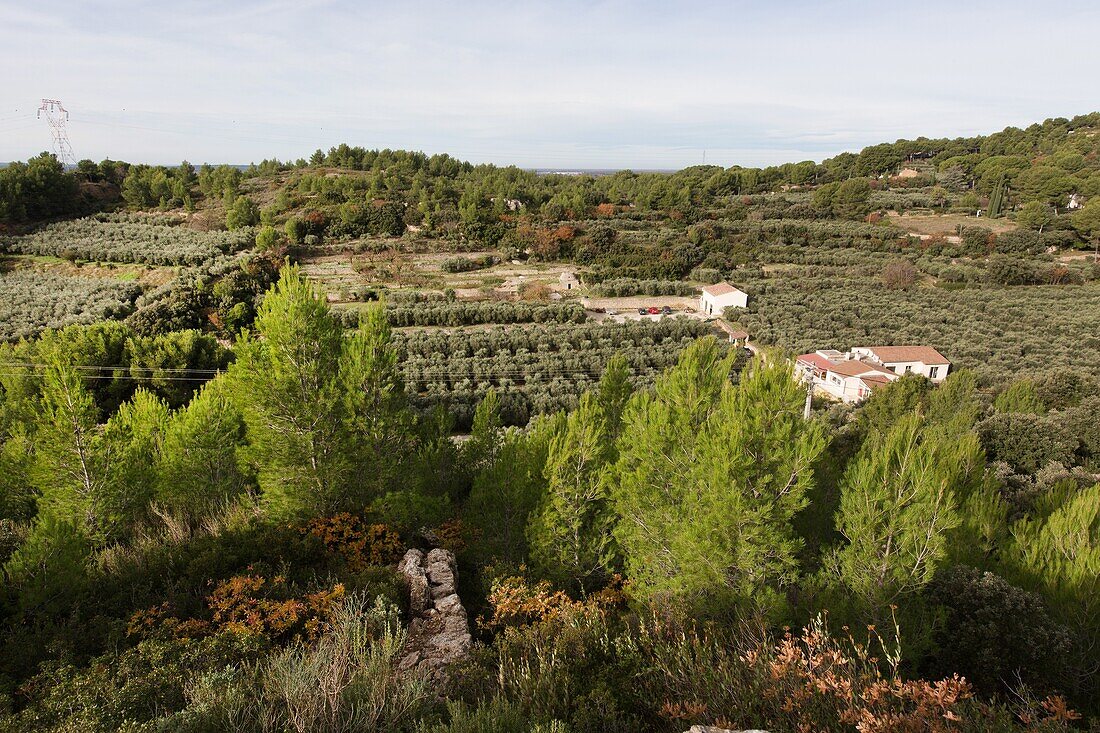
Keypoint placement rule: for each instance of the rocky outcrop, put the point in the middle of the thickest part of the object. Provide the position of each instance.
(439, 633)
(712, 729)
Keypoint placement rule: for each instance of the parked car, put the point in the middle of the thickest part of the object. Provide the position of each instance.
(667, 310)
(611, 312)
(642, 311)
(654, 310)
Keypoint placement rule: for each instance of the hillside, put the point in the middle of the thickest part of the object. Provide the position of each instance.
(386, 441)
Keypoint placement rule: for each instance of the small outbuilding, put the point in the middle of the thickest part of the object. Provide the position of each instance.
(716, 298)
(568, 281)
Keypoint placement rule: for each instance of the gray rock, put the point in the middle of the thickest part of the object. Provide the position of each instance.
(412, 566)
(439, 632)
(442, 573)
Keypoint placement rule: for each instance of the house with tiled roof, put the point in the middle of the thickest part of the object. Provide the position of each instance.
(852, 376)
(923, 360)
(716, 298)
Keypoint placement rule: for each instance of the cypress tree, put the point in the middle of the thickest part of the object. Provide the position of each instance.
(996, 200)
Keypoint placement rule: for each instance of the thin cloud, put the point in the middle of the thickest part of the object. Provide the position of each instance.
(566, 83)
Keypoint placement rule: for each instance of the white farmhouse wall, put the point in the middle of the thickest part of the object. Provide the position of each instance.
(844, 388)
(713, 305)
(919, 367)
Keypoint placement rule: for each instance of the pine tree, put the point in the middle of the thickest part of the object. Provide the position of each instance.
(709, 477)
(614, 392)
(1059, 556)
(375, 403)
(570, 534)
(323, 413)
(508, 489)
(898, 505)
(656, 454)
(1021, 396)
(135, 434)
(286, 382)
(486, 434)
(954, 404)
(70, 471)
(198, 468)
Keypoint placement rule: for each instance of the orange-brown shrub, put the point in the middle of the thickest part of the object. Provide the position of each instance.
(452, 535)
(533, 290)
(243, 603)
(812, 682)
(360, 544)
(516, 602)
(246, 604)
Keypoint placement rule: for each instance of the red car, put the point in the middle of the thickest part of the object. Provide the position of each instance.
(654, 310)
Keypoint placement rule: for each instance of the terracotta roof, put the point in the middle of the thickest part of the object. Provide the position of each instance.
(874, 380)
(893, 354)
(738, 334)
(720, 289)
(853, 368)
(816, 360)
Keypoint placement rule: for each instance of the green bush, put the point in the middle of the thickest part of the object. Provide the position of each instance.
(995, 634)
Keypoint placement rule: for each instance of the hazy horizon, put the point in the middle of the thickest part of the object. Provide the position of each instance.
(560, 86)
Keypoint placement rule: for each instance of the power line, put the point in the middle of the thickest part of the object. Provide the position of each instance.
(97, 367)
(125, 376)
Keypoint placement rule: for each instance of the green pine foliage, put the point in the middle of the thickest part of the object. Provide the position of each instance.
(899, 503)
(570, 533)
(323, 411)
(708, 479)
(198, 468)
(200, 506)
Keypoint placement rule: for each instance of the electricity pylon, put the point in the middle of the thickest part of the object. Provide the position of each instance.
(57, 117)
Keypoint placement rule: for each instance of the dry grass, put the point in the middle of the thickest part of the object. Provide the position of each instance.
(141, 274)
(946, 224)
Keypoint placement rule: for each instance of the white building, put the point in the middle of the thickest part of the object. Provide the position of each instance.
(923, 360)
(1074, 202)
(852, 376)
(716, 298)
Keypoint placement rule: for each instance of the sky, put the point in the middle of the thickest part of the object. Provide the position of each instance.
(557, 85)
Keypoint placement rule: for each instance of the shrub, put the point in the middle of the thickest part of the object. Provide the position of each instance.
(252, 603)
(975, 240)
(127, 688)
(468, 264)
(348, 680)
(534, 291)
(1019, 242)
(243, 213)
(995, 634)
(1008, 270)
(267, 238)
(1027, 442)
(360, 544)
(899, 275)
